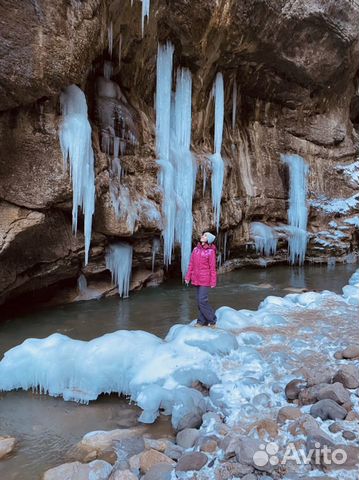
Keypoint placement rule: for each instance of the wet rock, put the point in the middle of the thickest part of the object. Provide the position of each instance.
(122, 475)
(85, 471)
(149, 458)
(104, 445)
(338, 355)
(160, 445)
(7, 445)
(245, 451)
(207, 444)
(229, 470)
(349, 435)
(186, 438)
(294, 387)
(134, 462)
(191, 461)
(229, 444)
(328, 410)
(250, 476)
(351, 352)
(174, 452)
(348, 376)
(318, 376)
(352, 416)
(161, 471)
(335, 427)
(335, 392)
(305, 425)
(310, 395)
(265, 427)
(288, 413)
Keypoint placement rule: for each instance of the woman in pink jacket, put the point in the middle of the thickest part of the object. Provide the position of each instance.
(202, 273)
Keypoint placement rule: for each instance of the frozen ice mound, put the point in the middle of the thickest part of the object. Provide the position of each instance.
(351, 291)
(155, 373)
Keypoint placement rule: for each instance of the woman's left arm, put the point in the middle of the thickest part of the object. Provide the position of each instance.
(212, 268)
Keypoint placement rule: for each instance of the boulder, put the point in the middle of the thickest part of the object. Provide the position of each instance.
(122, 475)
(288, 413)
(161, 471)
(328, 410)
(351, 351)
(187, 438)
(294, 387)
(151, 457)
(207, 443)
(80, 471)
(245, 453)
(349, 435)
(191, 461)
(335, 392)
(348, 376)
(7, 445)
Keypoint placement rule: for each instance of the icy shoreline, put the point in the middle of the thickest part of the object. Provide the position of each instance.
(245, 363)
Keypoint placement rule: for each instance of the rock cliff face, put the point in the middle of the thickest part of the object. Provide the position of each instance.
(295, 65)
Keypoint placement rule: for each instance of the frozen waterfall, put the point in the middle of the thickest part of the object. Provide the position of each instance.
(216, 158)
(119, 262)
(173, 141)
(264, 237)
(76, 146)
(184, 164)
(163, 129)
(145, 13)
(298, 210)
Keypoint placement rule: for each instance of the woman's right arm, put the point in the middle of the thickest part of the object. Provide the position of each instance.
(190, 269)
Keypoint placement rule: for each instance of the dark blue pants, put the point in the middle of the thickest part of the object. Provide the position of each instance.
(206, 313)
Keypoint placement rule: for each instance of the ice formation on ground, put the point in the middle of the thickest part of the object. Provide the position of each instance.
(119, 262)
(76, 146)
(265, 238)
(242, 361)
(216, 159)
(298, 210)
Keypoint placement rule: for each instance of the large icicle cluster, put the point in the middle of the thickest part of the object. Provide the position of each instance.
(76, 146)
(119, 262)
(173, 140)
(298, 210)
(184, 164)
(216, 158)
(163, 131)
(264, 237)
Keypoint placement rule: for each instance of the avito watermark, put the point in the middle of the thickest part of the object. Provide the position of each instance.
(320, 455)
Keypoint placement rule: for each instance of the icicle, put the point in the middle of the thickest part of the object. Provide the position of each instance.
(110, 38)
(163, 125)
(120, 51)
(155, 249)
(119, 262)
(264, 237)
(145, 13)
(216, 158)
(76, 145)
(184, 164)
(225, 246)
(234, 103)
(82, 283)
(107, 69)
(298, 211)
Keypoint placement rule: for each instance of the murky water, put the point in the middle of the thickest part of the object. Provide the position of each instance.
(47, 427)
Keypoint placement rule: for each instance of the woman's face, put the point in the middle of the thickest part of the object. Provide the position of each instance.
(203, 238)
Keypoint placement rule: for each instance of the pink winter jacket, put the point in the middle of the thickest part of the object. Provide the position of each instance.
(202, 266)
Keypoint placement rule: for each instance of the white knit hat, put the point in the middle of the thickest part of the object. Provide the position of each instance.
(210, 237)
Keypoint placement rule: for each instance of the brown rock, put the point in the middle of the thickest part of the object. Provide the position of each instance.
(73, 471)
(151, 457)
(348, 376)
(122, 475)
(288, 413)
(351, 352)
(335, 392)
(191, 461)
(349, 435)
(293, 388)
(207, 444)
